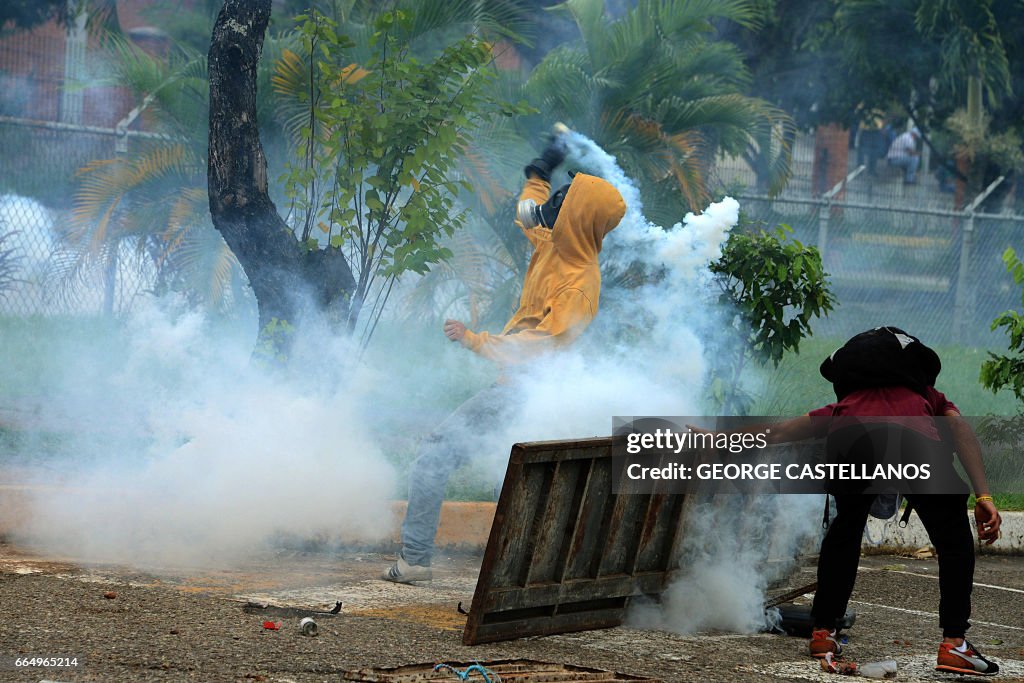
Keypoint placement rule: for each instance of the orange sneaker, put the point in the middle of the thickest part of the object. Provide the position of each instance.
(969, 661)
(824, 642)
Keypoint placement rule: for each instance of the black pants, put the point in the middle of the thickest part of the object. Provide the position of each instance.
(944, 518)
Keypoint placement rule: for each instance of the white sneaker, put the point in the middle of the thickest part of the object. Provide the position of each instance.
(403, 572)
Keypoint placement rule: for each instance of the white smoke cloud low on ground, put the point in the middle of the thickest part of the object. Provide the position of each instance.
(208, 457)
(735, 547)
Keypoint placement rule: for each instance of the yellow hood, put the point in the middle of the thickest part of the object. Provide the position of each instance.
(592, 208)
(563, 281)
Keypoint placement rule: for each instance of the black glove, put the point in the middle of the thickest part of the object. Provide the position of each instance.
(548, 161)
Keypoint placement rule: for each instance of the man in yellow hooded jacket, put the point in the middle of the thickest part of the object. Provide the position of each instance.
(559, 300)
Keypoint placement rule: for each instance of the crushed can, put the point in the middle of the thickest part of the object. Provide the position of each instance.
(308, 627)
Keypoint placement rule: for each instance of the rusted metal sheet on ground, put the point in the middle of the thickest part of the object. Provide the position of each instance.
(506, 670)
(565, 553)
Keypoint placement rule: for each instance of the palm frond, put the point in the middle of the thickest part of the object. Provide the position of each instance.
(105, 183)
(204, 265)
(506, 18)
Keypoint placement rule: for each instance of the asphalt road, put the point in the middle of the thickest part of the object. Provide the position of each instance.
(182, 624)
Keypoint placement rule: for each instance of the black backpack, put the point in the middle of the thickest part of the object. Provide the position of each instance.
(882, 357)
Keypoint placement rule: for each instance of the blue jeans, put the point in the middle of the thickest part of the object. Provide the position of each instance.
(909, 165)
(446, 449)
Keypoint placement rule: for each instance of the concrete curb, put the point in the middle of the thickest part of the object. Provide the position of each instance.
(887, 536)
(465, 527)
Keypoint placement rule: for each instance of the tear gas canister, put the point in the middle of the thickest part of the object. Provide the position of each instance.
(308, 627)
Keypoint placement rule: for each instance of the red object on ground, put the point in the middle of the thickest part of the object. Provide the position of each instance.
(272, 625)
(838, 666)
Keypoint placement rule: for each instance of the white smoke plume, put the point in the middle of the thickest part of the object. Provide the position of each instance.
(734, 547)
(187, 453)
(649, 357)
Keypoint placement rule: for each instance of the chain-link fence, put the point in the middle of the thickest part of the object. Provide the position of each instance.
(896, 253)
(39, 273)
(923, 255)
(936, 272)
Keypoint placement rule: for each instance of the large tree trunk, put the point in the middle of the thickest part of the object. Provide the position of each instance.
(285, 276)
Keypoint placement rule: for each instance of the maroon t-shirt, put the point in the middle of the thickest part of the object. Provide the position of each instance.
(891, 403)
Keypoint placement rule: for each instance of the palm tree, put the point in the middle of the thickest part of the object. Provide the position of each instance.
(153, 200)
(654, 89)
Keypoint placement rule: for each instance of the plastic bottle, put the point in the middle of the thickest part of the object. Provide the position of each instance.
(884, 669)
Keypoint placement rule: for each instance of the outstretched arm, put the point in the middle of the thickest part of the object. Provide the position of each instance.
(568, 316)
(986, 515)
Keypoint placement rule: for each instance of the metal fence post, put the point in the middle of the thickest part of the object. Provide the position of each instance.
(823, 213)
(961, 280)
(966, 238)
(826, 209)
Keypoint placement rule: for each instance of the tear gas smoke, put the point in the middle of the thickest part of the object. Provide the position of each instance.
(651, 358)
(203, 456)
(38, 247)
(32, 236)
(734, 549)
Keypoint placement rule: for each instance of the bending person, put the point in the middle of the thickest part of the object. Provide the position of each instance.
(886, 376)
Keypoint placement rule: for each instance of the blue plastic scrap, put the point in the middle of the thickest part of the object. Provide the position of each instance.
(488, 675)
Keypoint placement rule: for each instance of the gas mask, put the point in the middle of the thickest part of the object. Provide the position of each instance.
(531, 215)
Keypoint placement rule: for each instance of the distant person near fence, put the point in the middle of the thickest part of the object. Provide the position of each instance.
(903, 153)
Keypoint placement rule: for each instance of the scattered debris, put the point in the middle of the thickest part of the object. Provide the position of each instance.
(883, 669)
(518, 670)
(469, 671)
(460, 610)
(266, 609)
(894, 568)
(272, 625)
(110, 595)
(308, 627)
(173, 631)
(924, 553)
(838, 666)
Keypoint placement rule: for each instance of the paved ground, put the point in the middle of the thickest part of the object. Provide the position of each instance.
(181, 625)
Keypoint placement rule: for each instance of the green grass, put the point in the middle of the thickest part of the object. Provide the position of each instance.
(797, 386)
